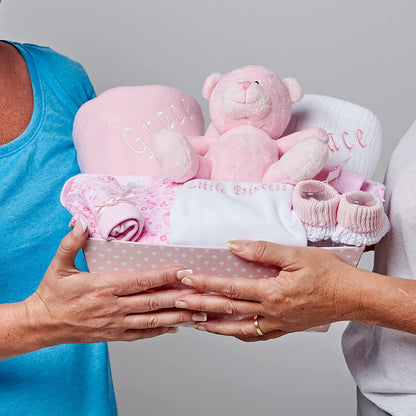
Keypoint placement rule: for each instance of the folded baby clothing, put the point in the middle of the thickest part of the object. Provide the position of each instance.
(105, 206)
(154, 196)
(355, 218)
(210, 213)
(126, 208)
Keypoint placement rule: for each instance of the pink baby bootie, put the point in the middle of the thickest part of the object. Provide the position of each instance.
(316, 204)
(361, 219)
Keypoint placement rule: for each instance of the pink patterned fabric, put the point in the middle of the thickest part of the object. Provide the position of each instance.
(128, 208)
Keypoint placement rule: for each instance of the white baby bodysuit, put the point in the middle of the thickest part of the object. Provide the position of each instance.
(210, 213)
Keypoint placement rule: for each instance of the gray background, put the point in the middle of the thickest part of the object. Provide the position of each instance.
(358, 50)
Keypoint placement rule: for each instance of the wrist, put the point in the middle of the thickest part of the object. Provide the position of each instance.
(387, 302)
(38, 322)
(349, 293)
(19, 332)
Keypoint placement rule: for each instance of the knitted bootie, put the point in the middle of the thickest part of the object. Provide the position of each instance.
(361, 219)
(316, 204)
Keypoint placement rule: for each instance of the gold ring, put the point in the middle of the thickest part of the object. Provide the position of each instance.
(256, 325)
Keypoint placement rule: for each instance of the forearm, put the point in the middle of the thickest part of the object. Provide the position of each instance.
(19, 333)
(384, 301)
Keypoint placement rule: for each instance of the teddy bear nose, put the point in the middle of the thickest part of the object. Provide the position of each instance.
(244, 85)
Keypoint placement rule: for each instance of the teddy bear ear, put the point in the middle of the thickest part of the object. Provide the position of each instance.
(294, 88)
(210, 84)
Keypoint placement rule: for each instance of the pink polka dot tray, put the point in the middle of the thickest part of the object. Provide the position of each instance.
(116, 256)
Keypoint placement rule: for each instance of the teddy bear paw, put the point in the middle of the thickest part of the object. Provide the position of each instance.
(175, 155)
(302, 161)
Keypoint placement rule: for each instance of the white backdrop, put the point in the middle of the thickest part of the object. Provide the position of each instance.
(360, 50)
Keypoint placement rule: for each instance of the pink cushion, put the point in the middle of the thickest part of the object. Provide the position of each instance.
(113, 132)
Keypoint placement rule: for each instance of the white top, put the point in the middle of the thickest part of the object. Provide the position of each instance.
(383, 361)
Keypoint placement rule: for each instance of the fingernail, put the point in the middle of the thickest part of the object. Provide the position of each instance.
(182, 273)
(181, 304)
(187, 282)
(80, 228)
(236, 245)
(200, 327)
(172, 330)
(199, 317)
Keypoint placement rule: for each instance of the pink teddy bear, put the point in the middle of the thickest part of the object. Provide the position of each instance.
(250, 109)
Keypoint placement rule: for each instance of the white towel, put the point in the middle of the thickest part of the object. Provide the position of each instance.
(355, 132)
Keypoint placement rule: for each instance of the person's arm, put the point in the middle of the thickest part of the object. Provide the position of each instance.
(18, 332)
(314, 287)
(387, 301)
(71, 306)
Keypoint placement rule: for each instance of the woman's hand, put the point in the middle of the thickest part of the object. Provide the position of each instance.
(314, 287)
(70, 306)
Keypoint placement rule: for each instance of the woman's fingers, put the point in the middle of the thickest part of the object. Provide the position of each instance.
(242, 328)
(265, 337)
(69, 248)
(151, 300)
(136, 334)
(218, 304)
(266, 252)
(236, 328)
(232, 287)
(140, 281)
(159, 319)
